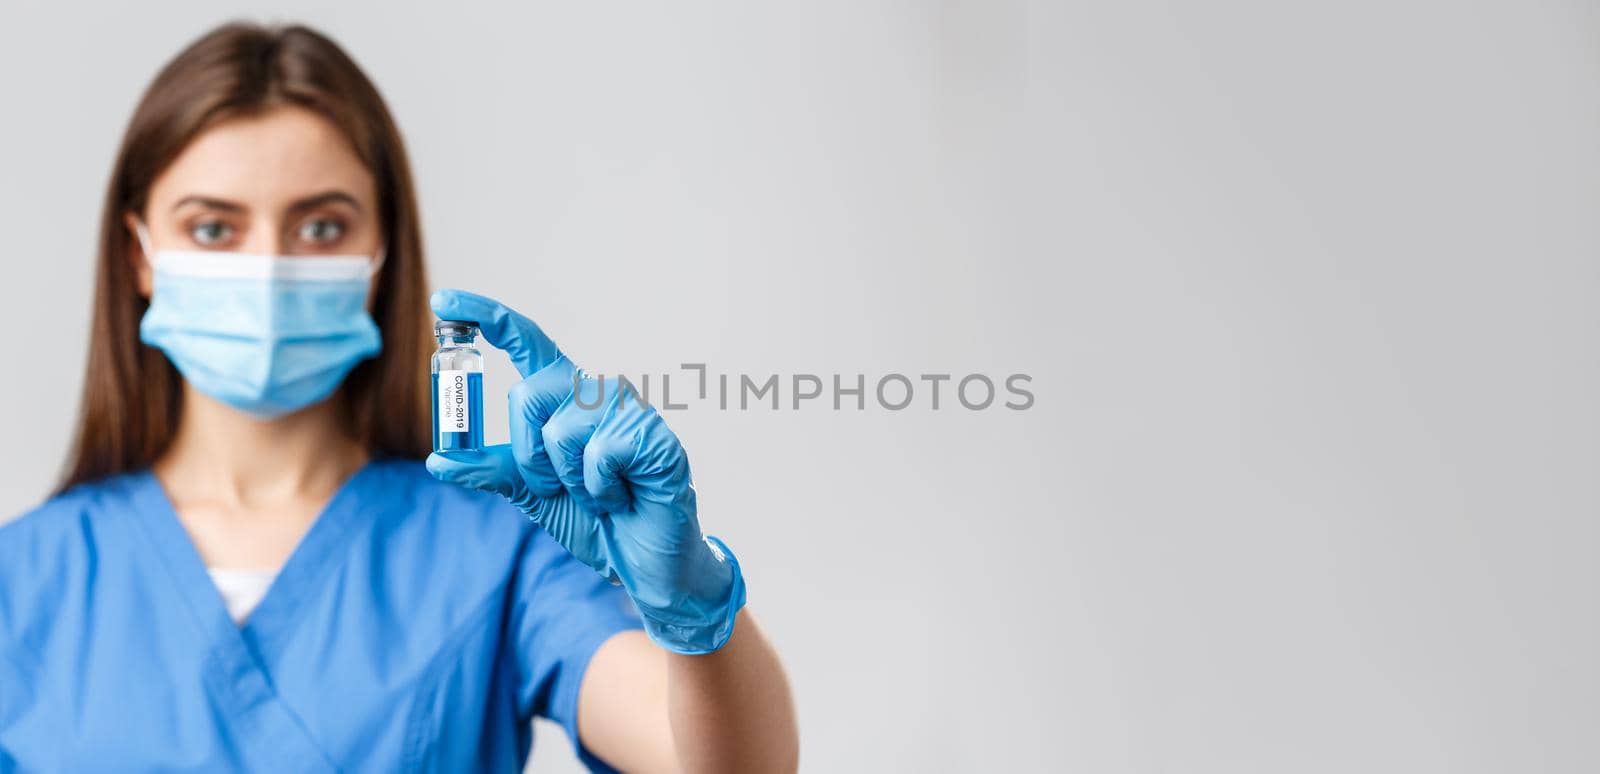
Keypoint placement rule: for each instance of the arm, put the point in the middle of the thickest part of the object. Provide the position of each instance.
(645, 709)
(601, 473)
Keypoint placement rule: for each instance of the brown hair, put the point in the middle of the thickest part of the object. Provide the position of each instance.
(131, 392)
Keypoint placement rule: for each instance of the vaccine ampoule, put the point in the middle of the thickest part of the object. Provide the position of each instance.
(457, 387)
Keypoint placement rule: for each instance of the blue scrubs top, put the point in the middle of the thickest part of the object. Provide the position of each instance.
(417, 625)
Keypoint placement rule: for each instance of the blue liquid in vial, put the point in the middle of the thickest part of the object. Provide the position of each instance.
(473, 437)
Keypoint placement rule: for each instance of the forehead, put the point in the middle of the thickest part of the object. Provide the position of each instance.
(265, 160)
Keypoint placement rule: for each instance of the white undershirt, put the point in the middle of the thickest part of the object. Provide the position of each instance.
(241, 590)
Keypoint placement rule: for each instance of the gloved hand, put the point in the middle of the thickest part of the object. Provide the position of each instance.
(605, 477)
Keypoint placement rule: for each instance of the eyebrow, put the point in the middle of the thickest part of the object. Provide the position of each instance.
(326, 197)
(307, 203)
(207, 201)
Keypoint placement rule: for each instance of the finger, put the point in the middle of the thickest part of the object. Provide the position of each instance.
(611, 452)
(522, 340)
(532, 402)
(633, 458)
(604, 461)
(568, 431)
(490, 469)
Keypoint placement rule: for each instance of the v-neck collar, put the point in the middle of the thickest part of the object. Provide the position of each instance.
(236, 662)
(312, 558)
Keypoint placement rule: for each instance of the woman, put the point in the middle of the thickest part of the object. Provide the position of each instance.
(248, 567)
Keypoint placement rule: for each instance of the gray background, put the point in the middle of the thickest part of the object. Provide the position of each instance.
(1308, 292)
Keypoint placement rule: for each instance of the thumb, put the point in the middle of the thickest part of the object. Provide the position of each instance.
(490, 469)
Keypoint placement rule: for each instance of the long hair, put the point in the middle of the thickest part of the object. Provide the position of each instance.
(131, 393)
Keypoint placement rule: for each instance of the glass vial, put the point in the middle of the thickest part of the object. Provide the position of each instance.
(457, 387)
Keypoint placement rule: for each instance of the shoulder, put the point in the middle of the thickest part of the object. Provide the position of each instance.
(450, 518)
(61, 523)
(413, 502)
(41, 550)
(408, 483)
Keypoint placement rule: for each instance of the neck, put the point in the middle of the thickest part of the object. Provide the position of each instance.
(222, 455)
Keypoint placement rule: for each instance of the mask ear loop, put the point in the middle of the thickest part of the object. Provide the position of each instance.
(377, 262)
(143, 235)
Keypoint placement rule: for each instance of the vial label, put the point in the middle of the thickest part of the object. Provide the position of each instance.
(455, 404)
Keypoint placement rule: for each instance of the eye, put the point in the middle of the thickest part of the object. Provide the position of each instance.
(321, 231)
(210, 233)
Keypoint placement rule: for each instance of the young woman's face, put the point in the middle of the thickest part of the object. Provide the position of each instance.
(284, 182)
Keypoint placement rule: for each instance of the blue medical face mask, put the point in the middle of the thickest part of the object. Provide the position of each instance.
(266, 334)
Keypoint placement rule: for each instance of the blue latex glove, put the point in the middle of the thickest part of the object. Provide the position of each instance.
(610, 483)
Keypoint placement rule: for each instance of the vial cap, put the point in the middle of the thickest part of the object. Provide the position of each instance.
(455, 328)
